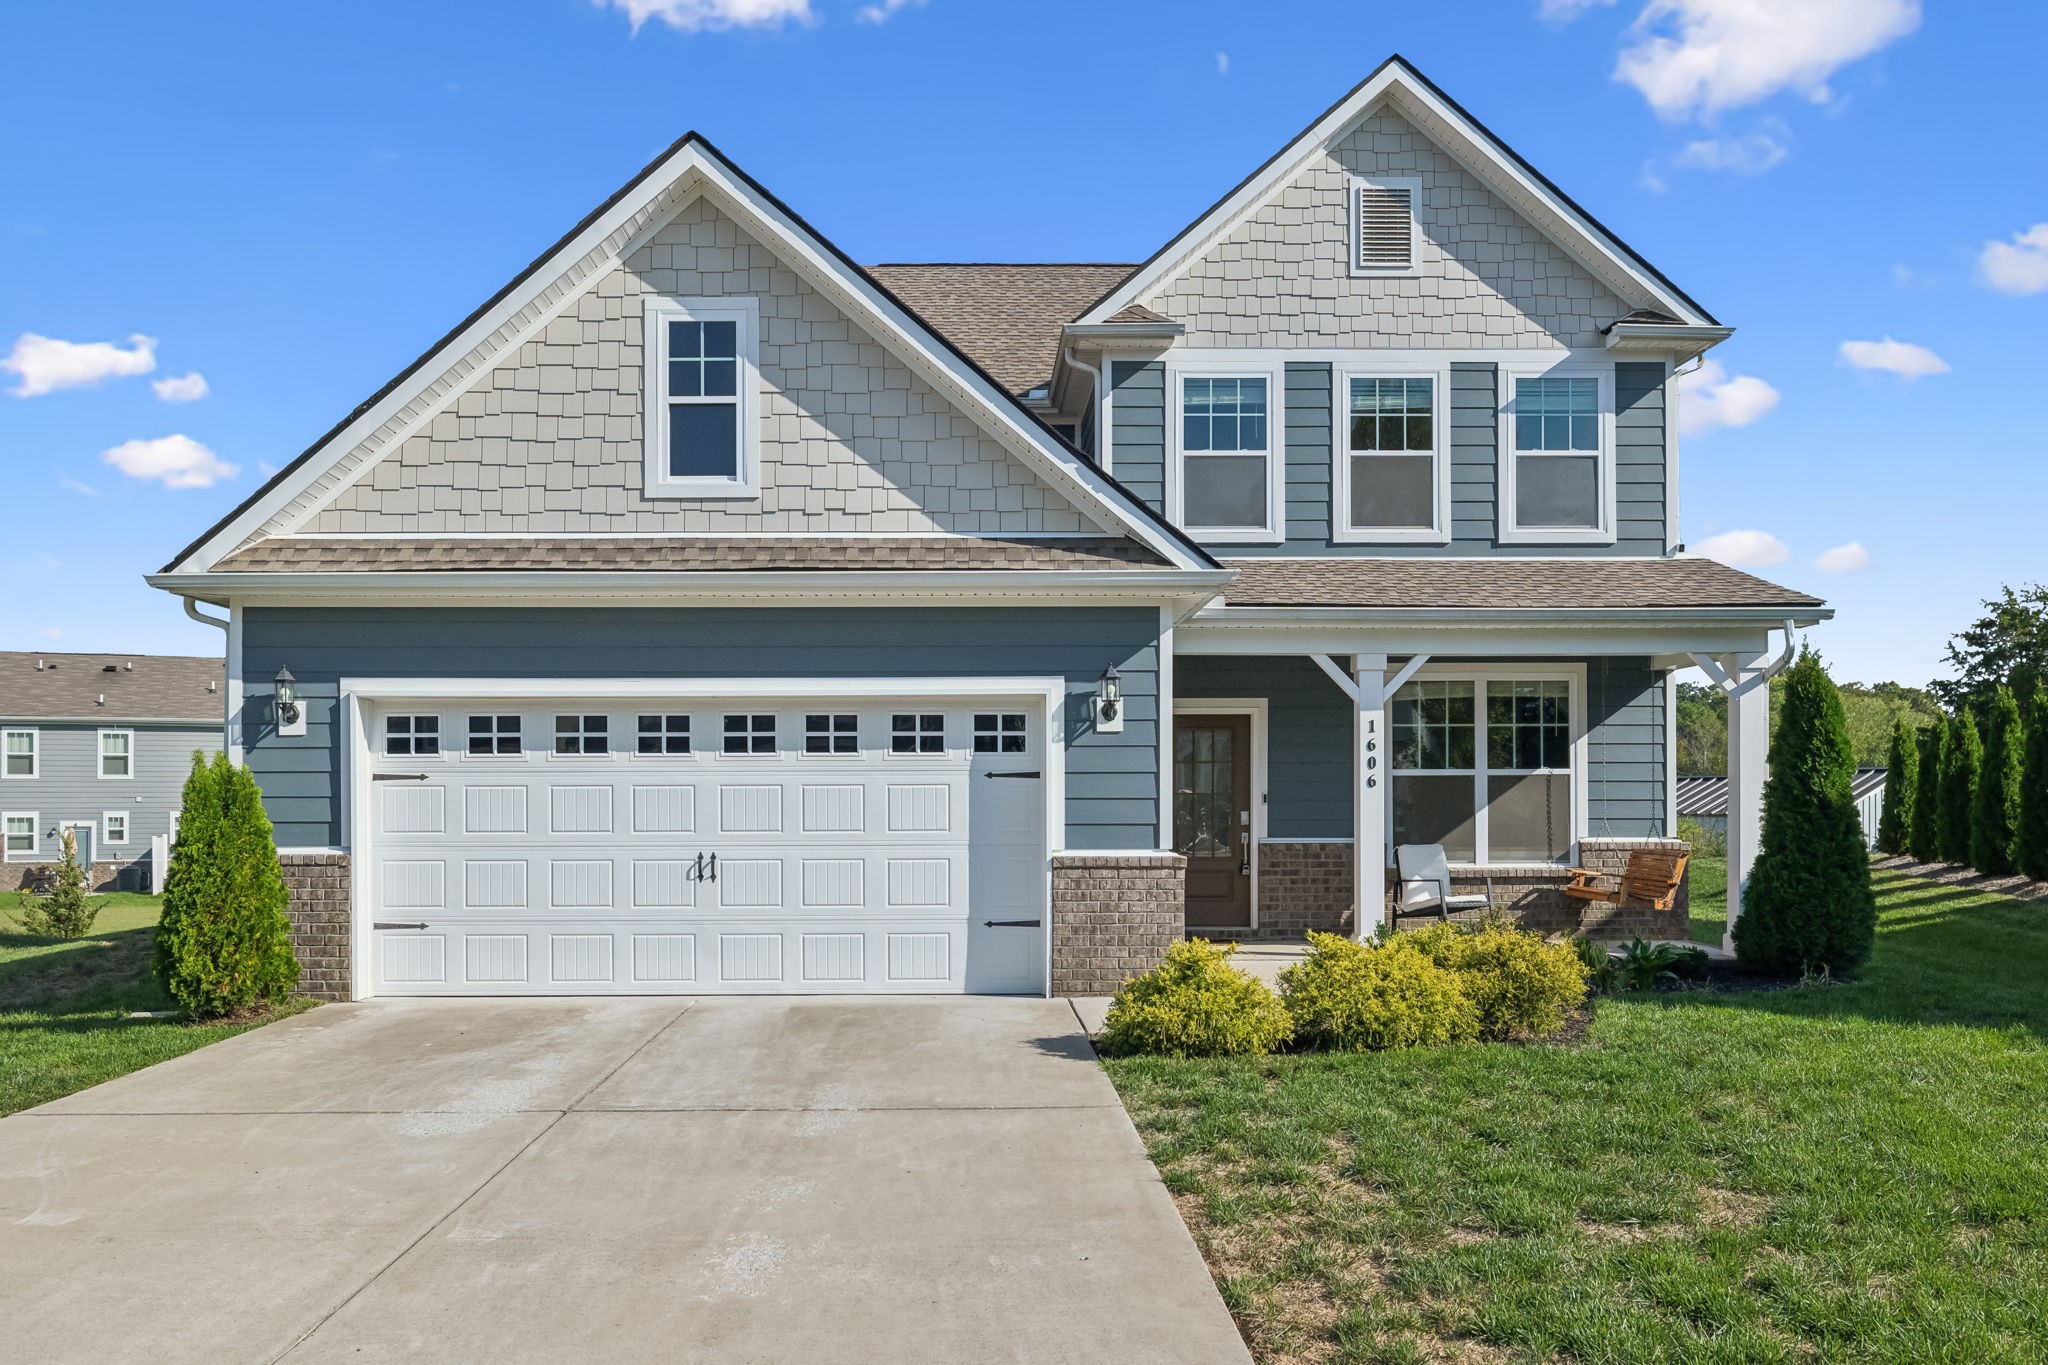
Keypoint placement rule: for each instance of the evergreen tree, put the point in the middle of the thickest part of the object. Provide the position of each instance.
(223, 944)
(2031, 853)
(1924, 840)
(1901, 788)
(1809, 905)
(1963, 761)
(68, 910)
(1994, 823)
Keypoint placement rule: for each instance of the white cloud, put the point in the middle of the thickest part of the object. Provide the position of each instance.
(1710, 397)
(1223, 63)
(174, 461)
(692, 16)
(883, 11)
(184, 388)
(1902, 358)
(2019, 266)
(1751, 154)
(46, 364)
(1564, 11)
(1744, 549)
(1695, 58)
(51, 633)
(1850, 558)
(86, 489)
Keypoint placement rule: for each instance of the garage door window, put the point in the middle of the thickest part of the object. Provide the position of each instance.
(917, 734)
(664, 734)
(832, 734)
(750, 734)
(1000, 733)
(582, 735)
(493, 735)
(412, 734)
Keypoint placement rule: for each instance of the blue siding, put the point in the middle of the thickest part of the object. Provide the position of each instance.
(1639, 457)
(68, 786)
(1626, 758)
(1112, 780)
(1138, 427)
(1308, 473)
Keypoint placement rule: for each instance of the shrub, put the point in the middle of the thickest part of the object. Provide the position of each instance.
(1808, 905)
(1924, 837)
(67, 911)
(1602, 975)
(1522, 986)
(1643, 965)
(1195, 1004)
(1359, 997)
(1706, 842)
(1901, 789)
(1994, 823)
(224, 943)
(1963, 760)
(2033, 832)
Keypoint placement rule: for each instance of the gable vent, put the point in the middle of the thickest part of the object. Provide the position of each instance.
(1386, 231)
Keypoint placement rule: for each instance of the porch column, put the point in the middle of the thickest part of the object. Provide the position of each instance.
(1749, 719)
(1369, 793)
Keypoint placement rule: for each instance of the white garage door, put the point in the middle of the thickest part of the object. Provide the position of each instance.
(744, 846)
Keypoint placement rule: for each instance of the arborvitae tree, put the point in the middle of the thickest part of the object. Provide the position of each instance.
(1924, 839)
(68, 910)
(1994, 823)
(2031, 853)
(1808, 906)
(224, 941)
(1963, 762)
(1901, 788)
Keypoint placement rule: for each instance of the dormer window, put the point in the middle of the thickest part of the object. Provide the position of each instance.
(1383, 224)
(702, 423)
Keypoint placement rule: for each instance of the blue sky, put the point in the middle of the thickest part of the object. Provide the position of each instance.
(292, 201)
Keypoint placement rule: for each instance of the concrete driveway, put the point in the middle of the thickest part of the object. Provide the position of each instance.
(717, 1180)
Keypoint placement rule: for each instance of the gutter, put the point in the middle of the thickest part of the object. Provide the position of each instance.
(1254, 618)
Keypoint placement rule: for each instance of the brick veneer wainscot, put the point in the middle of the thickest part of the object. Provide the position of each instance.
(1113, 917)
(319, 912)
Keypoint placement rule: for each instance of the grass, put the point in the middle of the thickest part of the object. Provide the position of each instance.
(1835, 1172)
(64, 1005)
(1707, 879)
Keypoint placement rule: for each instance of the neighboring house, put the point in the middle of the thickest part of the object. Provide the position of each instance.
(99, 744)
(1705, 799)
(707, 612)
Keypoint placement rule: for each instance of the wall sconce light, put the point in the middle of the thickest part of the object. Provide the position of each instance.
(1109, 703)
(291, 716)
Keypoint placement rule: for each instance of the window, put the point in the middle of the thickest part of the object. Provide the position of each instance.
(701, 428)
(494, 735)
(412, 735)
(750, 734)
(1557, 480)
(582, 734)
(1383, 225)
(833, 734)
(664, 734)
(1485, 768)
(114, 826)
(917, 734)
(1390, 480)
(20, 749)
(117, 753)
(22, 841)
(1000, 733)
(171, 827)
(1226, 457)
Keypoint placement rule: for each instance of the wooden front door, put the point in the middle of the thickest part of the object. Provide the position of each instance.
(1212, 817)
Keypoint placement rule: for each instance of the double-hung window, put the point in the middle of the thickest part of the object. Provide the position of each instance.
(117, 753)
(1392, 477)
(1228, 486)
(23, 835)
(114, 826)
(18, 753)
(702, 425)
(1557, 466)
(1486, 767)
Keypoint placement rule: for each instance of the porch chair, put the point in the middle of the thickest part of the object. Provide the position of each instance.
(1652, 876)
(1425, 883)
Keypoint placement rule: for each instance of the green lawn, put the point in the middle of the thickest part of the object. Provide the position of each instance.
(1707, 879)
(64, 1005)
(1854, 1172)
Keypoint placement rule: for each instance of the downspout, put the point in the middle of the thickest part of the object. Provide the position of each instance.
(192, 610)
(1094, 373)
(230, 698)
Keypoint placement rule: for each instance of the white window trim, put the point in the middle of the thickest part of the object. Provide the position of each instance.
(1574, 677)
(440, 753)
(1504, 423)
(656, 480)
(100, 749)
(1410, 183)
(1341, 530)
(35, 753)
(92, 831)
(1274, 532)
(110, 818)
(35, 829)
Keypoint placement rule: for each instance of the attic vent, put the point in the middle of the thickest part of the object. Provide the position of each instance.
(1384, 219)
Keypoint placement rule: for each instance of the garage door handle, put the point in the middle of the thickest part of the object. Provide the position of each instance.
(381, 925)
(1009, 923)
(398, 777)
(1010, 774)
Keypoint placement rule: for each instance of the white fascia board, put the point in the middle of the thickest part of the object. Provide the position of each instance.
(1048, 688)
(1664, 339)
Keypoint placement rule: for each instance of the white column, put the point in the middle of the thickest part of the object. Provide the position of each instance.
(1369, 793)
(1749, 721)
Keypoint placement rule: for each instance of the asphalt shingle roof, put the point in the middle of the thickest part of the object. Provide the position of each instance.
(1006, 317)
(111, 686)
(1557, 584)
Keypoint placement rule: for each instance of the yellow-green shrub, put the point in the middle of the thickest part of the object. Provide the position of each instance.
(1521, 986)
(1195, 1004)
(1358, 996)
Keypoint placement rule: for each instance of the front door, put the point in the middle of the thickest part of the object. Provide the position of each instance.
(84, 832)
(1212, 817)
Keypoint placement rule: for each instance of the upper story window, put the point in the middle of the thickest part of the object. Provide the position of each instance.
(1392, 476)
(702, 425)
(117, 753)
(20, 751)
(1228, 483)
(1557, 465)
(1383, 225)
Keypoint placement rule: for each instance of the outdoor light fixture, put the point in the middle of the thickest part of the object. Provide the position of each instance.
(291, 717)
(1109, 702)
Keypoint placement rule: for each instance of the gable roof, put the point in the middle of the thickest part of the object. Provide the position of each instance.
(1469, 142)
(692, 166)
(111, 687)
(1008, 317)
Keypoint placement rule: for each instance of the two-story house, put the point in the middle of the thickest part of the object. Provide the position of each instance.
(707, 612)
(100, 745)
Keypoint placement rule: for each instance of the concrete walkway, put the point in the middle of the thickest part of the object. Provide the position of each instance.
(721, 1180)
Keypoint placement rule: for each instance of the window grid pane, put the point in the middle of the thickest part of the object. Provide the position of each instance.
(21, 753)
(922, 733)
(1223, 414)
(1001, 732)
(1557, 413)
(582, 734)
(831, 734)
(664, 734)
(412, 735)
(1392, 415)
(494, 735)
(750, 733)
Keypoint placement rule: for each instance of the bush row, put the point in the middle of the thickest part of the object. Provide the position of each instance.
(1972, 787)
